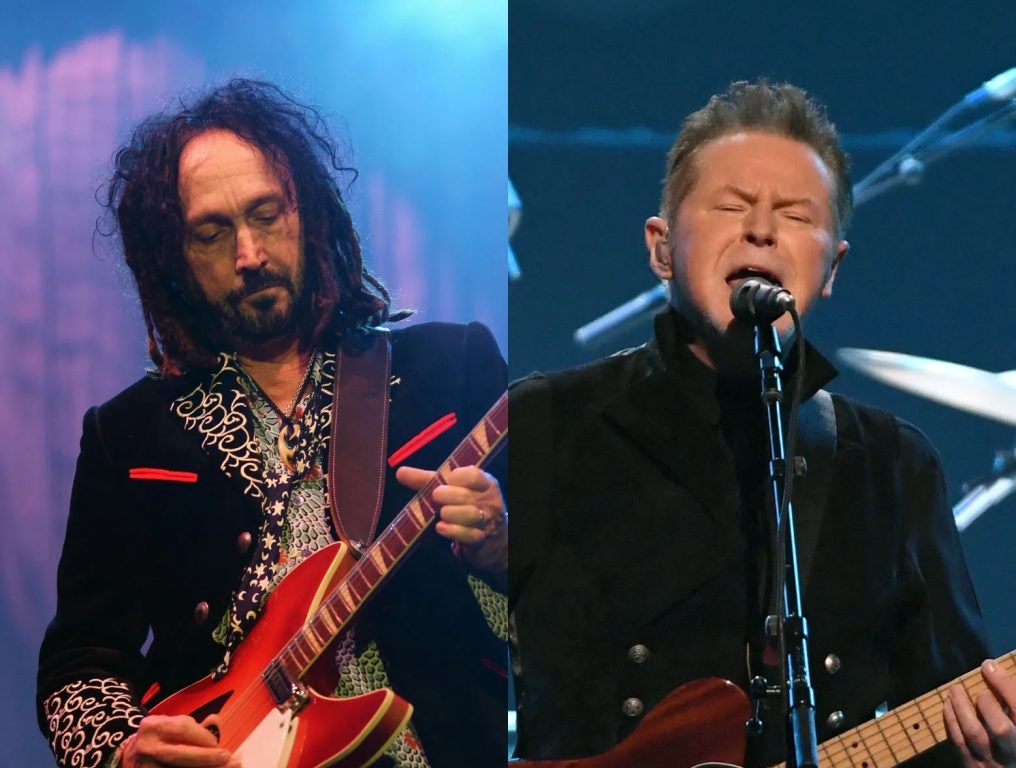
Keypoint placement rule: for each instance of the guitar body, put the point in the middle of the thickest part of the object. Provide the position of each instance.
(700, 723)
(327, 731)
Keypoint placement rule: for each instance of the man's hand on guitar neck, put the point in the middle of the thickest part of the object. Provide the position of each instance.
(175, 742)
(983, 731)
(472, 514)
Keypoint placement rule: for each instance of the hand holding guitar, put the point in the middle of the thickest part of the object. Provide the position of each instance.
(472, 513)
(983, 731)
(176, 741)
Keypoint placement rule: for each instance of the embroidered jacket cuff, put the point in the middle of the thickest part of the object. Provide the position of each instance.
(87, 721)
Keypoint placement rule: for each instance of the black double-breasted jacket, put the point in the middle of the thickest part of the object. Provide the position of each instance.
(634, 569)
(158, 556)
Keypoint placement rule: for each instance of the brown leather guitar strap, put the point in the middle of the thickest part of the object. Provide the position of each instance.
(359, 439)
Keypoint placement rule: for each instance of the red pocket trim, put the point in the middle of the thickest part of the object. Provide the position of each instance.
(152, 690)
(443, 424)
(172, 475)
(493, 667)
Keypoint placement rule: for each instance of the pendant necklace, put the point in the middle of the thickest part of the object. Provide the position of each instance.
(290, 422)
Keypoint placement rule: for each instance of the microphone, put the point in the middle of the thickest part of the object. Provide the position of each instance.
(757, 301)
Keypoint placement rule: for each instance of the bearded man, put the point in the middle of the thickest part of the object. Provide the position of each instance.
(276, 406)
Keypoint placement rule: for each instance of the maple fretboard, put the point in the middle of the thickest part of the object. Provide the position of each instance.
(905, 731)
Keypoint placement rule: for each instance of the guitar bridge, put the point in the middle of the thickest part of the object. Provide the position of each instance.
(298, 697)
(287, 692)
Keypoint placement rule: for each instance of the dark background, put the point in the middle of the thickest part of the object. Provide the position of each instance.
(597, 91)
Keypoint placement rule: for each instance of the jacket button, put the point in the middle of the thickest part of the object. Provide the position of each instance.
(835, 720)
(201, 612)
(638, 653)
(632, 707)
(243, 542)
(832, 664)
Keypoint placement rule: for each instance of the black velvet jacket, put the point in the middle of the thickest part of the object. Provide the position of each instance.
(141, 555)
(634, 566)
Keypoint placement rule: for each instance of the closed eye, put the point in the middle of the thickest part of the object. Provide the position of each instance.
(266, 212)
(797, 216)
(267, 218)
(208, 236)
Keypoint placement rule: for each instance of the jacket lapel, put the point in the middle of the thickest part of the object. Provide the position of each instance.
(692, 542)
(215, 412)
(656, 417)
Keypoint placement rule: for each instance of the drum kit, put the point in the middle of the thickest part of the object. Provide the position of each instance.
(987, 394)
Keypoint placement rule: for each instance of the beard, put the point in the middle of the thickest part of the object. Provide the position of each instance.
(245, 323)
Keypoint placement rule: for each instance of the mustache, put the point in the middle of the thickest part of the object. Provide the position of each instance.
(256, 281)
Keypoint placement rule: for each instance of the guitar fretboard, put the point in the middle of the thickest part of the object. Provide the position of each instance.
(903, 732)
(390, 547)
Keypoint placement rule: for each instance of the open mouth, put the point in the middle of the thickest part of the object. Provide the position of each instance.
(758, 272)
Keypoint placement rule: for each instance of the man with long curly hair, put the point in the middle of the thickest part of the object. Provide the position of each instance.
(202, 486)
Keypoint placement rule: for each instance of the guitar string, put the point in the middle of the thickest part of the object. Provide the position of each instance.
(479, 457)
(245, 704)
(862, 732)
(971, 682)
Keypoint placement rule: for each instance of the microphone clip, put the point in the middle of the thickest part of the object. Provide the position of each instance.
(757, 301)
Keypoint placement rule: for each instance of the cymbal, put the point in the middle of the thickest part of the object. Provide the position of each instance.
(988, 394)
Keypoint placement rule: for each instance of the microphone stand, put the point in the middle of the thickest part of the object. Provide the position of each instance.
(791, 626)
(985, 492)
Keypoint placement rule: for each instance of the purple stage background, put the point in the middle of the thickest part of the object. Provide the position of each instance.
(417, 93)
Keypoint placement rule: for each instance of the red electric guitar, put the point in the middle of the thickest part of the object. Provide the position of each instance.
(701, 725)
(272, 705)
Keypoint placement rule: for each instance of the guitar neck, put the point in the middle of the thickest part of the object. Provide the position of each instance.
(391, 546)
(903, 732)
